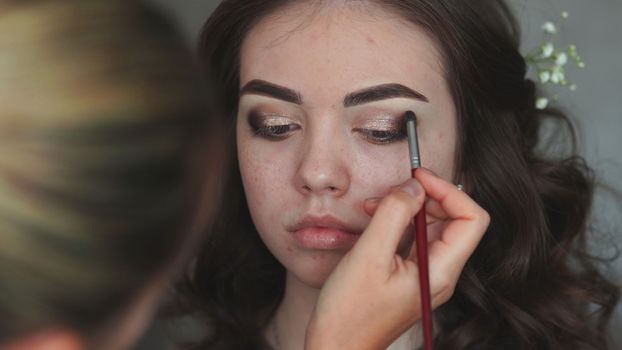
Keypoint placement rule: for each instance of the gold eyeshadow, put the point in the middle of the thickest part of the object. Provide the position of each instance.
(381, 124)
(378, 127)
(257, 118)
(381, 130)
(272, 126)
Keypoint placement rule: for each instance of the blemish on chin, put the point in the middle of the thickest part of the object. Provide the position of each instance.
(371, 40)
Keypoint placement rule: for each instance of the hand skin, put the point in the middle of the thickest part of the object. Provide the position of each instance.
(373, 295)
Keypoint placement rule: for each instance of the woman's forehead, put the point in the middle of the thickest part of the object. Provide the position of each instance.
(342, 49)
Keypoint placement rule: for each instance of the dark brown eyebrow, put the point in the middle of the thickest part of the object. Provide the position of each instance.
(381, 92)
(367, 95)
(264, 88)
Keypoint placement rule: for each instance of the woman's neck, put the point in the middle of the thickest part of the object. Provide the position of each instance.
(289, 325)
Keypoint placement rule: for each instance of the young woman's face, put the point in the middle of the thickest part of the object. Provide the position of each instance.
(320, 125)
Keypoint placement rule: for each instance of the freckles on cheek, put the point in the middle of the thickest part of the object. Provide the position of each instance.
(264, 195)
(259, 176)
(266, 172)
(378, 174)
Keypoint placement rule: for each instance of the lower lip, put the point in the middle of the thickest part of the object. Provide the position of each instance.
(325, 238)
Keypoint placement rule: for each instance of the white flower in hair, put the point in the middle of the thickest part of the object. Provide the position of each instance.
(561, 59)
(544, 76)
(542, 102)
(550, 62)
(549, 27)
(557, 75)
(547, 50)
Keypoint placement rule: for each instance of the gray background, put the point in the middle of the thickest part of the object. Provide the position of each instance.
(595, 28)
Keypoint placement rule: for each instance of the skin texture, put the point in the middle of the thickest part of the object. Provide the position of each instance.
(314, 157)
(325, 61)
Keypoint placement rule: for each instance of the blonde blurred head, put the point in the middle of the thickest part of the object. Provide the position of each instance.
(100, 120)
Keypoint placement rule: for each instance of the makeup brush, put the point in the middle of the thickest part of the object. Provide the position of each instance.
(421, 236)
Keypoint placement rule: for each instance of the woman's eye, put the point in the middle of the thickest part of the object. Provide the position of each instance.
(275, 132)
(273, 127)
(382, 136)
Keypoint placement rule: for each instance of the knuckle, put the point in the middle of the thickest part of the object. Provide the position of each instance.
(484, 218)
(444, 282)
(446, 294)
(447, 288)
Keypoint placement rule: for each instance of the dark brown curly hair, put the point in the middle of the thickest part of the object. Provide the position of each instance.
(529, 285)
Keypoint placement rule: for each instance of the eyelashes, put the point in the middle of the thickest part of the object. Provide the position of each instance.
(275, 132)
(382, 137)
(272, 127)
(277, 127)
(383, 130)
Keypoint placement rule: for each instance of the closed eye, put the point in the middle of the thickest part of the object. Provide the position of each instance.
(381, 137)
(273, 127)
(275, 132)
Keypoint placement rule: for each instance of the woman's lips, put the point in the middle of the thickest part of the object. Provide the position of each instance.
(325, 238)
(324, 233)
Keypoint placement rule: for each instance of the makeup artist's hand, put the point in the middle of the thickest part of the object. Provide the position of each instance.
(373, 295)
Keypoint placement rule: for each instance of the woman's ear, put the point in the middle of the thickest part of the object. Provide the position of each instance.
(56, 339)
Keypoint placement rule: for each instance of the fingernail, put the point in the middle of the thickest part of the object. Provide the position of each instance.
(373, 200)
(411, 187)
(426, 170)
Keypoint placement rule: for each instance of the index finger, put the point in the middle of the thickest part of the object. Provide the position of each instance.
(468, 221)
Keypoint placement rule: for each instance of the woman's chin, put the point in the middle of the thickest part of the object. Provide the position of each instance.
(314, 268)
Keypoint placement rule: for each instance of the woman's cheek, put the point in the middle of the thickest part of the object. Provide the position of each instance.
(379, 169)
(263, 171)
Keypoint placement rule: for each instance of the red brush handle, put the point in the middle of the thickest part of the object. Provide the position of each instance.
(421, 239)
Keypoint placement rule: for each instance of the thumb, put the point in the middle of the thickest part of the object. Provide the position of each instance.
(391, 218)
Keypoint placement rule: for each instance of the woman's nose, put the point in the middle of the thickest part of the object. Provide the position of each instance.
(323, 168)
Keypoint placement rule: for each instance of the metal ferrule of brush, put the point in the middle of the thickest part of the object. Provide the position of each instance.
(413, 146)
